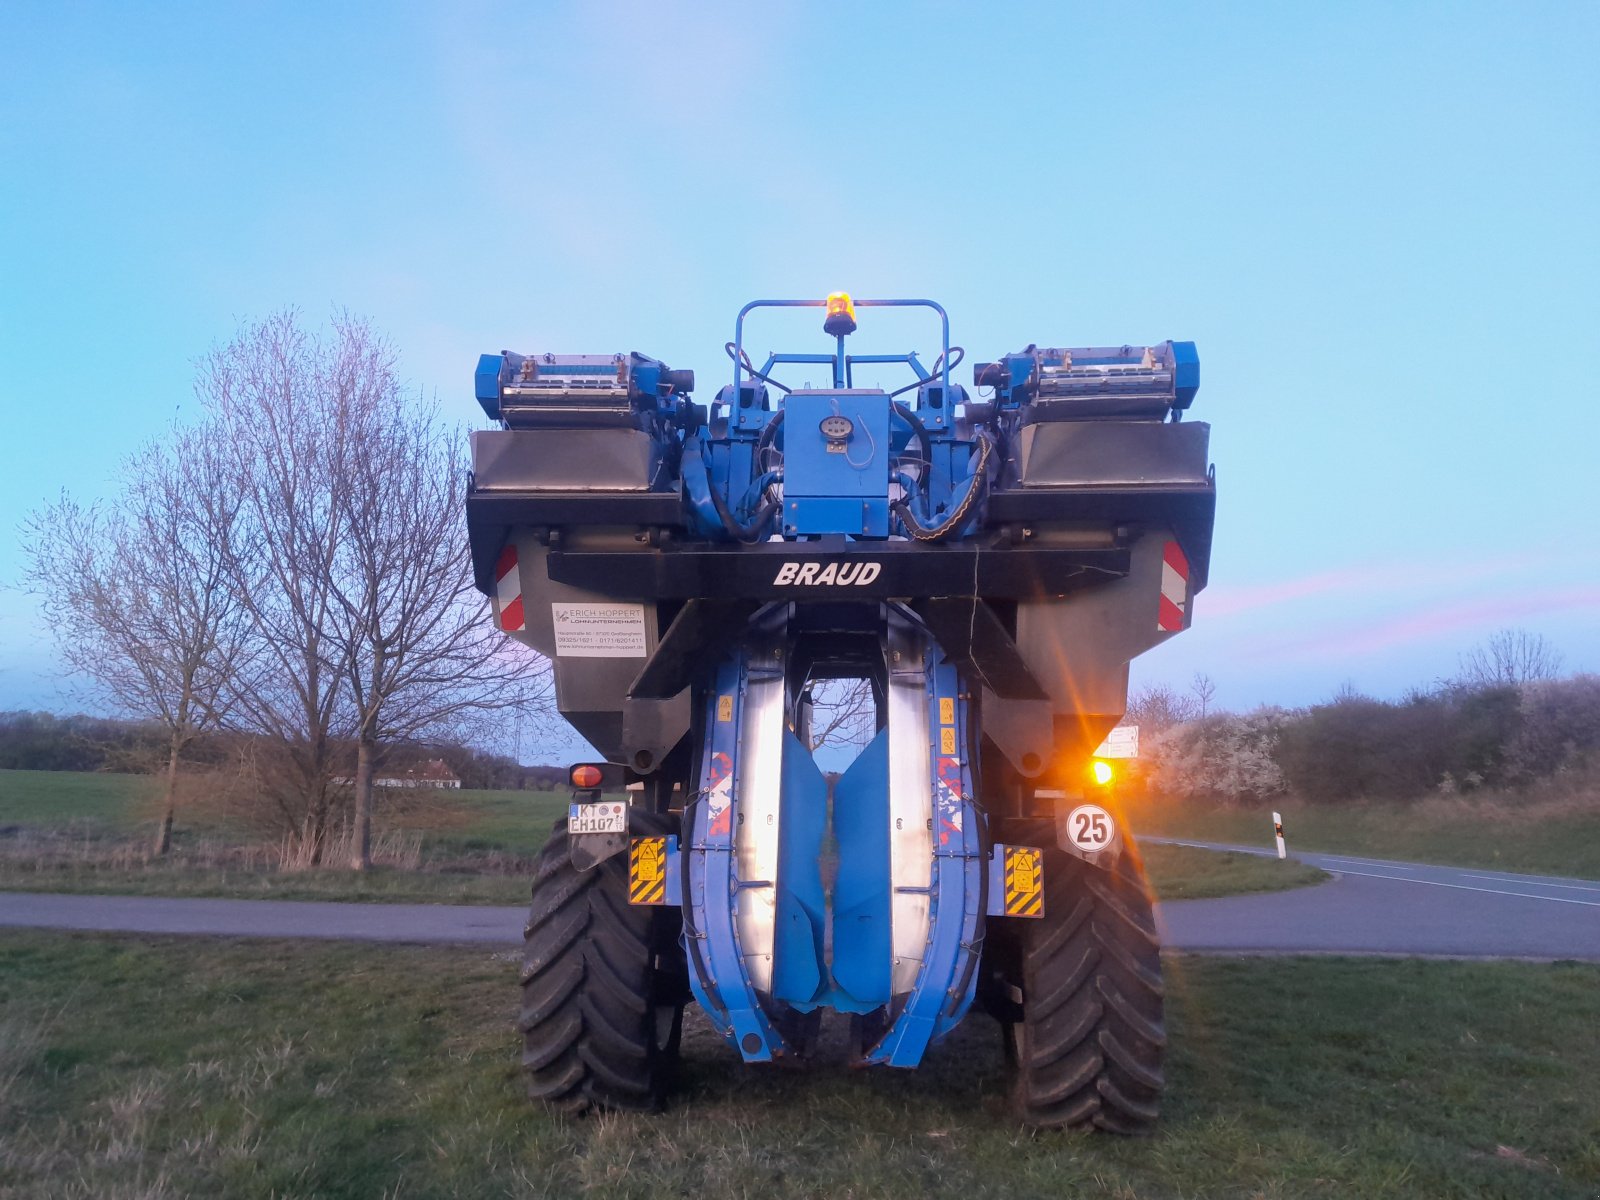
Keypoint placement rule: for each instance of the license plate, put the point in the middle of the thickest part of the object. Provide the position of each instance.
(608, 817)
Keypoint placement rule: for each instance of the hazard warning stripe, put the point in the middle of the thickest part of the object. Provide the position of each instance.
(1024, 890)
(508, 591)
(1174, 588)
(647, 871)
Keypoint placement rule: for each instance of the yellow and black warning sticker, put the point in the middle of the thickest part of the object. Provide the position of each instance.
(647, 871)
(947, 710)
(1024, 881)
(724, 708)
(947, 741)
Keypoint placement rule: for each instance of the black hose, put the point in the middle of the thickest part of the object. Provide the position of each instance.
(923, 440)
(977, 485)
(768, 433)
(747, 534)
(959, 356)
(743, 360)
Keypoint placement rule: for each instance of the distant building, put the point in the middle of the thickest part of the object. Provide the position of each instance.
(435, 773)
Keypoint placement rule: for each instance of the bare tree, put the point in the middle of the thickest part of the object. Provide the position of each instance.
(1510, 658)
(138, 592)
(1157, 708)
(1204, 689)
(360, 582)
(271, 391)
(418, 649)
(843, 713)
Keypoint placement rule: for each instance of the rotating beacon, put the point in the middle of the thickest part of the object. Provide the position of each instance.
(985, 564)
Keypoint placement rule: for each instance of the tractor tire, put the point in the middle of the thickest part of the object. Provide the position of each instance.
(1085, 1050)
(604, 984)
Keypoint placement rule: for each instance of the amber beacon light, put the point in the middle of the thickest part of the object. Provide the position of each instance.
(841, 318)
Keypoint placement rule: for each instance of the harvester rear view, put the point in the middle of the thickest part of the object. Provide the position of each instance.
(986, 563)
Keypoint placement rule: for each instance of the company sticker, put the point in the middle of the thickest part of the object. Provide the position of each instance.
(599, 630)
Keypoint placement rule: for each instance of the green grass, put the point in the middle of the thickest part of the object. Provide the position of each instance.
(132, 1068)
(1538, 840)
(511, 821)
(1186, 873)
(74, 832)
(114, 803)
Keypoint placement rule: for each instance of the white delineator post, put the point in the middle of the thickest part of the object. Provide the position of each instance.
(1277, 830)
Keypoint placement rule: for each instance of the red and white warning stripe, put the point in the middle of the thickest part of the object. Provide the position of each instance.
(508, 591)
(1174, 588)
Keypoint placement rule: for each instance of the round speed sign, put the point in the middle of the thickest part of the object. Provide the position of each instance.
(1091, 827)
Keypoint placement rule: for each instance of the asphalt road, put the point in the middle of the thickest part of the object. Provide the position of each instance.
(1374, 906)
(1371, 906)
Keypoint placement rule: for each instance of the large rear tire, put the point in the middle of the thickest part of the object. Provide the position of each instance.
(1085, 1050)
(603, 984)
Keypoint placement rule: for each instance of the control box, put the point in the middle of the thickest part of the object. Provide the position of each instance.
(836, 462)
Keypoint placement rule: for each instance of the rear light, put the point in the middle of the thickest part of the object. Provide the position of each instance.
(586, 776)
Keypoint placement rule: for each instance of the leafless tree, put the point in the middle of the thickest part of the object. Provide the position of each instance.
(843, 713)
(273, 392)
(360, 583)
(1510, 658)
(138, 593)
(1204, 689)
(419, 650)
(1157, 708)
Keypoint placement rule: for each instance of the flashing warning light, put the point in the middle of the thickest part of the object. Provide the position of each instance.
(1102, 772)
(585, 776)
(841, 318)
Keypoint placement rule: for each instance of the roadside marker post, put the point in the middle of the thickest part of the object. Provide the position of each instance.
(1277, 830)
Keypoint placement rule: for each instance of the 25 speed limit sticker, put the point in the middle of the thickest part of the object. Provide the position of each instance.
(1091, 827)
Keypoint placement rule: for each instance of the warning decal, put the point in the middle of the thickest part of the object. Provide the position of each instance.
(508, 590)
(647, 871)
(599, 630)
(1174, 599)
(1024, 881)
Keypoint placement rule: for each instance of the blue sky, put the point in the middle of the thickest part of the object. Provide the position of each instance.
(1377, 220)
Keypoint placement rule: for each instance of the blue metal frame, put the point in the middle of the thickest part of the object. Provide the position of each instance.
(837, 359)
(710, 937)
(948, 980)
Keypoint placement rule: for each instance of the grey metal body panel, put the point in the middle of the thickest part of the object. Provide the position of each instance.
(564, 460)
(590, 692)
(1079, 645)
(1065, 453)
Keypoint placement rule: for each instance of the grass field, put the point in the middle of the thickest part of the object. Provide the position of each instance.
(1540, 839)
(149, 1068)
(71, 832)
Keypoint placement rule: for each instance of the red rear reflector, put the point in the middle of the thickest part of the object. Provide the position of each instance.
(586, 776)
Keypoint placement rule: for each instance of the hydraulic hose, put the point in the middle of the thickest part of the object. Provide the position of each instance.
(921, 432)
(976, 485)
(747, 534)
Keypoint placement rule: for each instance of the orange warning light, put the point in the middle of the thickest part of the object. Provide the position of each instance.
(1102, 772)
(585, 776)
(841, 318)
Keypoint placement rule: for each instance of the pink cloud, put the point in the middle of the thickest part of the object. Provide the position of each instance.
(1433, 621)
(1386, 578)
